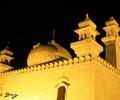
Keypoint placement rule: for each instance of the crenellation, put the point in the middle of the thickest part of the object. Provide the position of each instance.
(112, 67)
(75, 60)
(88, 58)
(4, 73)
(108, 66)
(81, 59)
(117, 71)
(16, 71)
(31, 68)
(98, 59)
(22, 69)
(35, 68)
(51, 65)
(43, 66)
(13, 71)
(102, 61)
(28, 69)
(7, 73)
(19, 71)
(69, 62)
(105, 63)
(47, 66)
(60, 63)
(55, 64)
(39, 67)
(10, 73)
(65, 62)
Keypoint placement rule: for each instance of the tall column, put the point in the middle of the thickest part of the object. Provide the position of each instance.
(112, 42)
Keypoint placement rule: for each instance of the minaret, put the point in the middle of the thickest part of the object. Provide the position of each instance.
(5, 59)
(87, 44)
(112, 42)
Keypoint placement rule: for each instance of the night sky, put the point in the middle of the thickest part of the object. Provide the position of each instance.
(24, 24)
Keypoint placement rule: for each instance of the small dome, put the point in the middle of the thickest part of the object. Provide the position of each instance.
(45, 53)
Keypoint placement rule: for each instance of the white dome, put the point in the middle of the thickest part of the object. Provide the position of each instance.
(45, 53)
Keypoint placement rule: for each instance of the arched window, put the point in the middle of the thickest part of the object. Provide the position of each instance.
(61, 93)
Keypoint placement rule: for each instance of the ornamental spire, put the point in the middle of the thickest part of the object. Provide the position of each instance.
(87, 44)
(87, 29)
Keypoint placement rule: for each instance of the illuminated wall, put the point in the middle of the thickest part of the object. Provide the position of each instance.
(107, 82)
(83, 80)
(44, 84)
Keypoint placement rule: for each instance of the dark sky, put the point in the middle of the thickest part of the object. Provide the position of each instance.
(25, 23)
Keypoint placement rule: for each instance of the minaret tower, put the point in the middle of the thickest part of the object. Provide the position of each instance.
(112, 42)
(87, 44)
(5, 59)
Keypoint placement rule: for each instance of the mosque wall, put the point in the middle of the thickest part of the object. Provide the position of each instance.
(78, 80)
(107, 84)
(87, 80)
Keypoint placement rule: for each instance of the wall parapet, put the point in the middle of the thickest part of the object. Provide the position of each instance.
(63, 63)
(56, 64)
(108, 66)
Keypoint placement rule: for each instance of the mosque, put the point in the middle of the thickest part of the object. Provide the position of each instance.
(52, 74)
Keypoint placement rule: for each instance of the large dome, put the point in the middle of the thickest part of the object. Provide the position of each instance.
(46, 53)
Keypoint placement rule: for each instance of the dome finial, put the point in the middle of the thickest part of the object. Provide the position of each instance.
(53, 37)
(87, 16)
(36, 45)
(111, 18)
